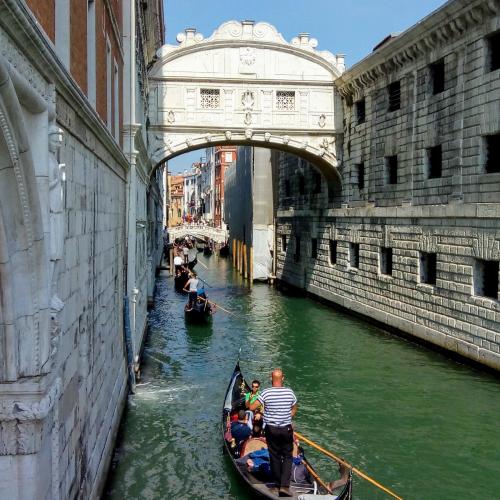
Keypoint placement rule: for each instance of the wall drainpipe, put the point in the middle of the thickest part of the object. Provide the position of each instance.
(128, 345)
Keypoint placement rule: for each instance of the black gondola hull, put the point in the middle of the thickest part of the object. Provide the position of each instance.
(233, 401)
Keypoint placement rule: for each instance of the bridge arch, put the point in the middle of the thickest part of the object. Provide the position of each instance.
(246, 85)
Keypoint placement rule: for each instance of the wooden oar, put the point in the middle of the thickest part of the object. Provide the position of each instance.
(341, 461)
(315, 476)
(216, 305)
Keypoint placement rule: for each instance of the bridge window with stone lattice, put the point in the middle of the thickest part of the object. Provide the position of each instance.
(210, 98)
(285, 100)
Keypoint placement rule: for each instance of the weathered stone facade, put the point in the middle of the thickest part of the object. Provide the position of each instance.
(64, 221)
(415, 242)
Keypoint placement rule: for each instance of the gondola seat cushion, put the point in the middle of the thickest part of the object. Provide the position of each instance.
(253, 444)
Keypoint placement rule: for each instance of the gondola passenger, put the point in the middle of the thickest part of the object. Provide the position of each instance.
(239, 429)
(192, 288)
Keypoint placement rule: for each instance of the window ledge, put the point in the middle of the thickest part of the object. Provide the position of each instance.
(426, 287)
(489, 302)
(385, 277)
(354, 270)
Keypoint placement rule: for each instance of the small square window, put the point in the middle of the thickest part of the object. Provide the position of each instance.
(394, 91)
(435, 162)
(314, 248)
(297, 249)
(317, 183)
(283, 243)
(494, 51)
(210, 98)
(302, 184)
(285, 100)
(354, 255)
(492, 146)
(386, 261)
(428, 268)
(287, 187)
(486, 278)
(437, 77)
(391, 169)
(360, 108)
(333, 252)
(360, 170)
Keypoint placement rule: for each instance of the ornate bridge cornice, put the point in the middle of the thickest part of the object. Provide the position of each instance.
(441, 27)
(250, 34)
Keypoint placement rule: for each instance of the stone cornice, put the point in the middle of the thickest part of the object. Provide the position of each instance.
(26, 406)
(441, 27)
(452, 211)
(21, 26)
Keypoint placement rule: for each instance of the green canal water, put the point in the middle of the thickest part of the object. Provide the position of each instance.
(423, 425)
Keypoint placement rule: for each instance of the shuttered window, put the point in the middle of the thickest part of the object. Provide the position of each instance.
(394, 91)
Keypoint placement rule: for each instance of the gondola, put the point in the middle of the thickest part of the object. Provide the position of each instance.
(207, 250)
(224, 250)
(309, 489)
(201, 310)
(180, 281)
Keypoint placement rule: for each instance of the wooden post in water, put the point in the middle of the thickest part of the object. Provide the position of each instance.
(238, 260)
(250, 272)
(233, 252)
(245, 262)
(171, 261)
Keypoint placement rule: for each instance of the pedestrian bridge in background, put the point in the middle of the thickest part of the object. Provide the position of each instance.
(246, 85)
(200, 232)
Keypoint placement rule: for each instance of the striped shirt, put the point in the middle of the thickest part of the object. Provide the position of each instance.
(278, 402)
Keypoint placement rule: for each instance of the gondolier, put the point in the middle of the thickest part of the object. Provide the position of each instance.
(280, 405)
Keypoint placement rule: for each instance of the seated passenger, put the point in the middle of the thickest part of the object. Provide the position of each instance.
(257, 430)
(239, 429)
(253, 395)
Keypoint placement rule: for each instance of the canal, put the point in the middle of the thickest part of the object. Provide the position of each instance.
(423, 425)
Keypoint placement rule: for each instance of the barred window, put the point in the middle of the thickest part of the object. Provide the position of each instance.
(210, 98)
(285, 100)
(394, 91)
(360, 111)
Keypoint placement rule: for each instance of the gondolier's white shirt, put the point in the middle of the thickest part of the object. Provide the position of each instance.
(177, 261)
(278, 403)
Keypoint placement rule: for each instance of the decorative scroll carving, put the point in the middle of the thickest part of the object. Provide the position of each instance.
(322, 120)
(248, 133)
(248, 118)
(171, 117)
(227, 133)
(248, 100)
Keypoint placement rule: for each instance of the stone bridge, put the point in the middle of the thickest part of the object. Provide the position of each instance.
(246, 85)
(200, 232)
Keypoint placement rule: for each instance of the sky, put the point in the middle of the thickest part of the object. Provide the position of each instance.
(350, 27)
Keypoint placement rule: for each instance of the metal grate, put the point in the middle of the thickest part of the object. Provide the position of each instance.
(210, 98)
(285, 100)
(394, 90)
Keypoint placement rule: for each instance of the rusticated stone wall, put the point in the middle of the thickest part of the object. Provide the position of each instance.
(388, 234)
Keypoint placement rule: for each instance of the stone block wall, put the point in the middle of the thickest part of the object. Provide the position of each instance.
(420, 254)
(91, 356)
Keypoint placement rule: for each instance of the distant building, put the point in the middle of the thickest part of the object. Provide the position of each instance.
(224, 156)
(176, 194)
(249, 212)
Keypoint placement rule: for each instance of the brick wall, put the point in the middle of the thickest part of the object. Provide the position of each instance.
(78, 57)
(44, 12)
